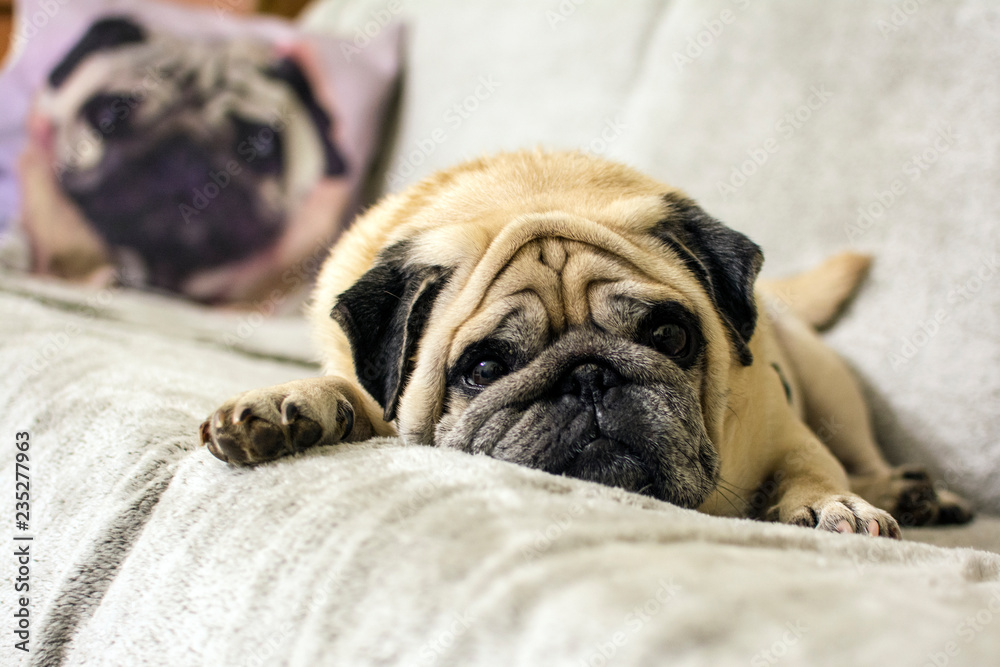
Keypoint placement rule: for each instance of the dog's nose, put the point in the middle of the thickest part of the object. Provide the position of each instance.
(590, 379)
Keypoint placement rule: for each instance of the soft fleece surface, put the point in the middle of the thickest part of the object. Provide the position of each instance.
(149, 551)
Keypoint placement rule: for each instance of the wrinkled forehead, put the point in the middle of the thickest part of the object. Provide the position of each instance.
(457, 229)
(524, 320)
(164, 74)
(530, 291)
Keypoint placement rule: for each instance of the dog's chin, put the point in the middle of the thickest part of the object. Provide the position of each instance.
(677, 468)
(596, 407)
(607, 461)
(170, 224)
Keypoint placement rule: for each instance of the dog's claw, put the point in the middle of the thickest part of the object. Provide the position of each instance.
(266, 424)
(839, 514)
(908, 493)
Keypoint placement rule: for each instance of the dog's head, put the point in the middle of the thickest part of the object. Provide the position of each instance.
(559, 312)
(188, 154)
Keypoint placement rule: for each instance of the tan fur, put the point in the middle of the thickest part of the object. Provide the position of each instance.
(817, 296)
(560, 234)
(476, 217)
(482, 214)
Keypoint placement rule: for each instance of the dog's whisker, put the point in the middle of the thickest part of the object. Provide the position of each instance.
(732, 486)
(729, 496)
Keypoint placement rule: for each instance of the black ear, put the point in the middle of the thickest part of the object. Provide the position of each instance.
(103, 35)
(288, 70)
(384, 315)
(724, 260)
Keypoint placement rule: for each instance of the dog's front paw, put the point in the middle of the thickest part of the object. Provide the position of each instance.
(266, 424)
(838, 514)
(908, 493)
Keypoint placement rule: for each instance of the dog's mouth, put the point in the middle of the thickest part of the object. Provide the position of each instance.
(653, 456)
(594, 445)
(175, 209)
(595, 408)
(610, 462)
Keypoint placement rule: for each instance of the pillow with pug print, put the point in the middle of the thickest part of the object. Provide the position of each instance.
(186, 150)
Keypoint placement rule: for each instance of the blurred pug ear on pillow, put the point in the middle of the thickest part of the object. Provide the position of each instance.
(211, 167)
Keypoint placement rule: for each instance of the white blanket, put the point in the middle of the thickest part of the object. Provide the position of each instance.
(147, 550)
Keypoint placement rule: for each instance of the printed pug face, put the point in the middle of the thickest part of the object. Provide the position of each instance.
(184, 156)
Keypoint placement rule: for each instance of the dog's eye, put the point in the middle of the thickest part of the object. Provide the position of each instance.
(484, 372)
(264, 143)
(106, 113)
(673, 339)
(259, 145)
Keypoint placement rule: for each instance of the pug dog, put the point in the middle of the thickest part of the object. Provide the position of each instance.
(185, 158)
(570, 314)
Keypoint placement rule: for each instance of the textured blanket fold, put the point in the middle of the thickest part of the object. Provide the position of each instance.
(148, 550)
